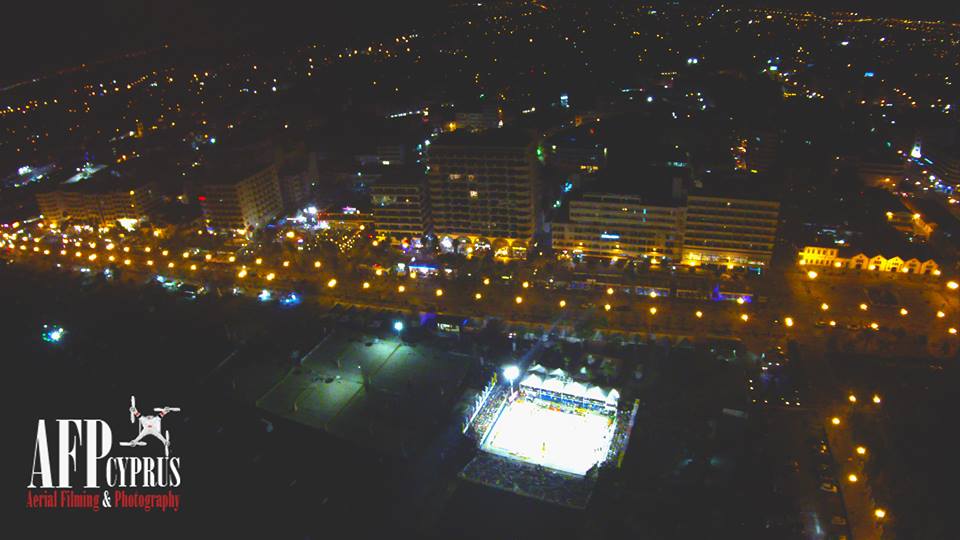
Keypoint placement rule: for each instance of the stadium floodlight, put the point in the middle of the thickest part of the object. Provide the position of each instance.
(398, 326)
(511, 373)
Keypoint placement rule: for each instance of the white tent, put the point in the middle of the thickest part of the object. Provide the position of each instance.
(558, 373)
(574, 388)
(554, 384)
(596, 393)
(613, 397)
(537, 368)
(533, 381)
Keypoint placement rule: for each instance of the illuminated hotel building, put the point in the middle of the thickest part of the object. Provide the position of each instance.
(729, 231)
(483, 190)
(245, 201)
(614, 225)
(98, 197)
(400, 210)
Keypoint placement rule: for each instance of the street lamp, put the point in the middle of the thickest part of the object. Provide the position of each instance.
(824, 306)
(861, 451)
(812, 274)
(653, 311)
(439, 292)
(744, 317)
(398, 326)
(876, 399)
(699, 314)
(609, 290)
(852, 478)
(788, 321)
(563, 303)
(952, 285)
(863, 307)
(903, 311)
(518, 300)
(941, 314)
(852, 398)
(880, 513)
(332, 283)
(835, 421)
(477, 296)
(607, 307)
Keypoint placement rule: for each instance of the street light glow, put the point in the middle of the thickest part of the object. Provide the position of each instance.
(835, 421)
(699, 314)
(518, 299)
(607, 307)
(653, 311)
(852, 398)
(812, 274)
(439, 292)
(861, 451)
(863, 307)
(401, 288)
(852, 478)
(332, 283)
(788, 321)
(744, 317)
(511, 373)
(563, 303)
(398, 326)
(904, 312)
(876, 399)
(824, 306)
(952, 285)
(609, 290)
(880, 513)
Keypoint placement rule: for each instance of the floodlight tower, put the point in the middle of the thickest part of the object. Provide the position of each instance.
(511, 373)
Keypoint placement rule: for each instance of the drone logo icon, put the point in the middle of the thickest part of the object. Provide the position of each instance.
(150, 425)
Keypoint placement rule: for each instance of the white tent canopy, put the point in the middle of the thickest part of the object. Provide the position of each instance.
(554, 384)
(533, 381)
(537, 368)
(596, 393)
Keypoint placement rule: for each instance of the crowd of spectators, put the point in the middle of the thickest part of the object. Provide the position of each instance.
(620, 437)
(531, 480)
(488, 413)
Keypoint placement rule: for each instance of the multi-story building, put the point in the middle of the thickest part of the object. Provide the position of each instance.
(400, 210)
(484, 190)
(615, 225)
(297, 177)
(242, 201)
(729, 230)
(881, 170)
(104, 198)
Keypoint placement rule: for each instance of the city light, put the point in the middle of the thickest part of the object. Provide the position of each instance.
(653, 311)
(511, 373)
(861, 451)
(904, 312)
(563, 303)
(744, 317)
(824, 306)
(740, 300)
(812, 274)
(874, 326)
(52, 333)
(526, 284)
(941, 314)
(401, 288)
(852, 478)
(398, 326)
(952, 331)
(486, 281)
(477, 296)
(852, 398)
(518, 300)
(876, 399)
(952, 285)
(270, 276)
(880, 513)
(835, 421)
(242, 274)
(366, 285)
(788, 321)
(607, 307)
(439, 292)
(332, 283)
(699, 314)
(863, 307)
(609, 290)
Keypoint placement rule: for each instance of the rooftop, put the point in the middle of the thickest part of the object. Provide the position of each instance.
(491, 138)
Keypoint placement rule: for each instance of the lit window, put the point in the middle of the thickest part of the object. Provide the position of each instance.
(474, 194)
